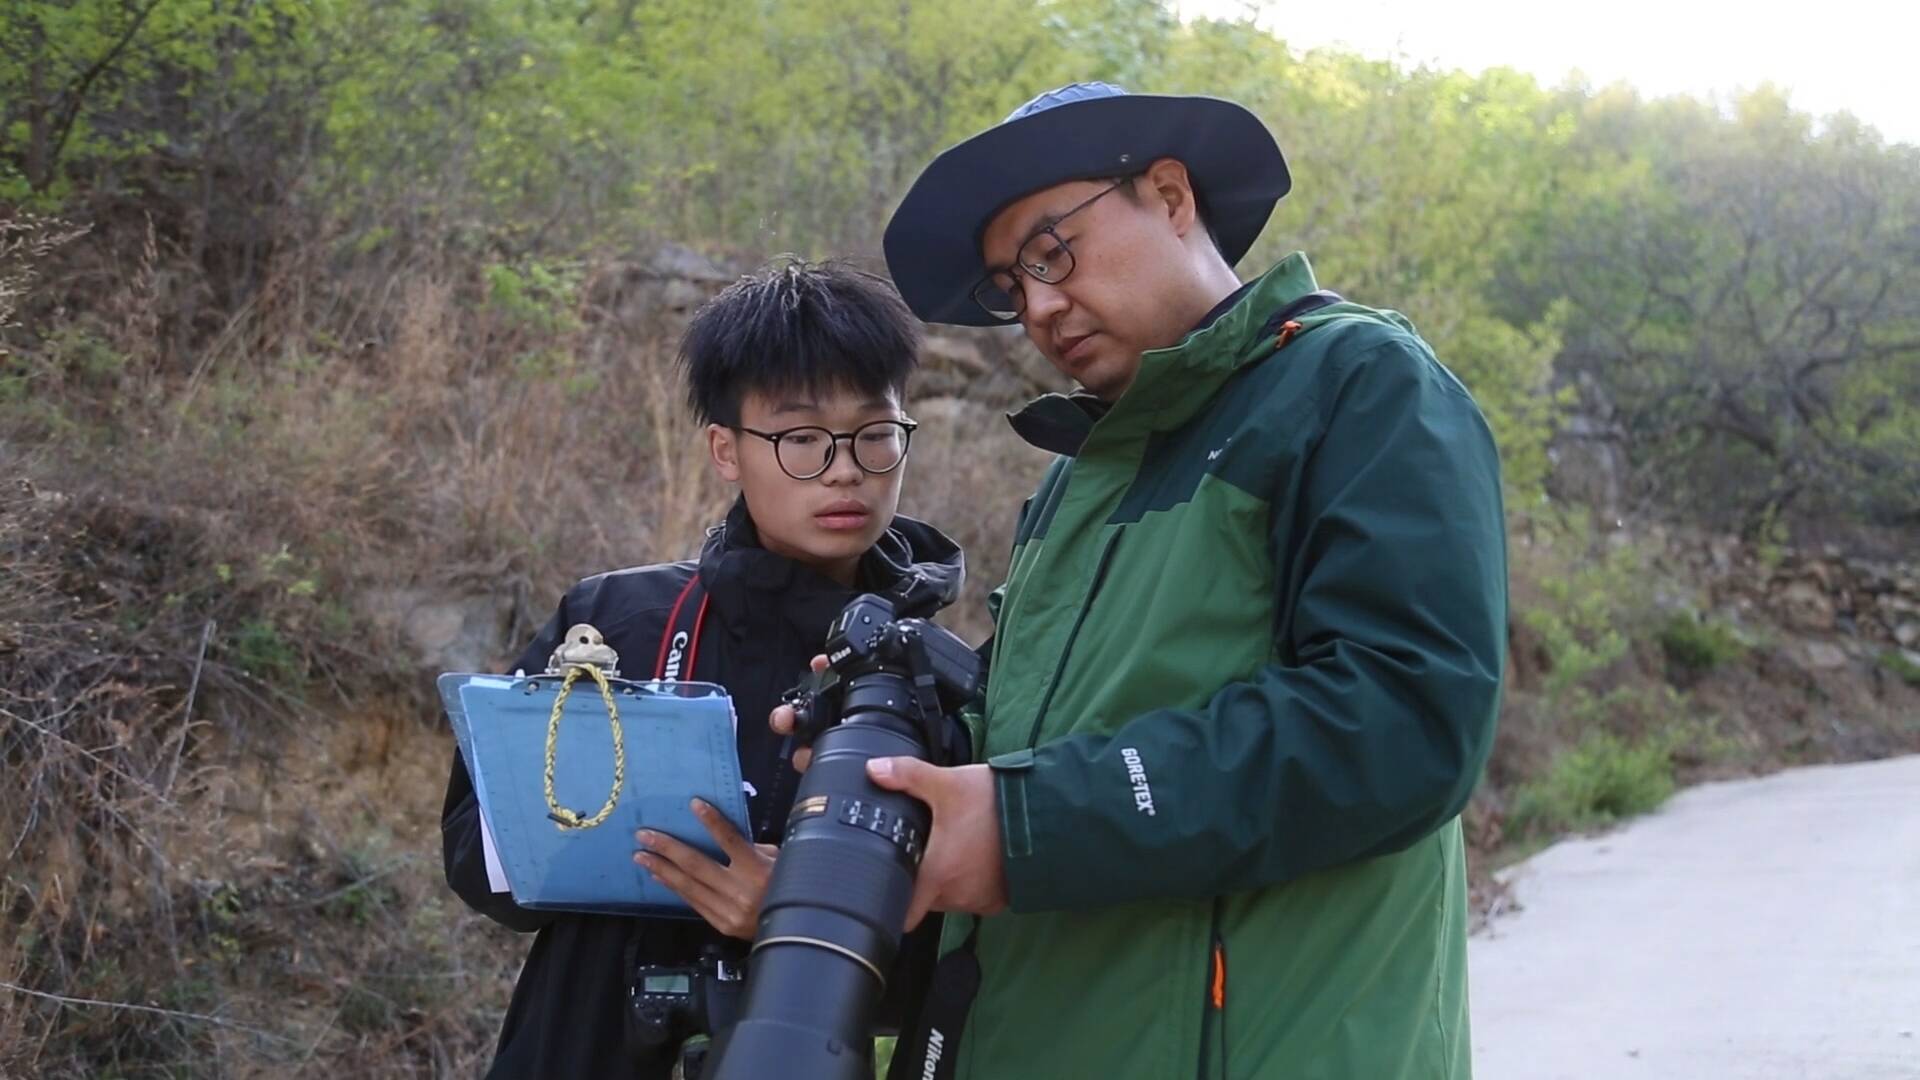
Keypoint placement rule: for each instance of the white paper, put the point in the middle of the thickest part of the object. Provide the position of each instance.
(496, 875)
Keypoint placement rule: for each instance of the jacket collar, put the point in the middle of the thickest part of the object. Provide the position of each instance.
(1174, 382)
(913, 564)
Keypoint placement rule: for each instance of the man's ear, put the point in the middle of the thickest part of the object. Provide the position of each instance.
(1171, 188)
(723, 448)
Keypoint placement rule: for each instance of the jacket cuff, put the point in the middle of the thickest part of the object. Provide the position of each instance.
(1037, 825)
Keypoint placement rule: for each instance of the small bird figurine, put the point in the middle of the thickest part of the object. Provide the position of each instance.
(584, 645)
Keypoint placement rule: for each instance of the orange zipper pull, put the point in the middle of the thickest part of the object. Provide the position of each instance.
(1219, 976)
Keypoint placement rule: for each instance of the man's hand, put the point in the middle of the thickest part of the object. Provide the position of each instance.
(782, 722)
(728, 896)
(963, 869)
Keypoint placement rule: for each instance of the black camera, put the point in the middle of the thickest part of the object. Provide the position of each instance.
(681, 1006)
(832, 919)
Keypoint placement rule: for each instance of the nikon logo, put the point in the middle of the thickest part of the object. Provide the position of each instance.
(676, 652)
(935, 1043)
(1137, 776)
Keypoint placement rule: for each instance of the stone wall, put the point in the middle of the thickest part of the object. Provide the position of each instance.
(1844, 605)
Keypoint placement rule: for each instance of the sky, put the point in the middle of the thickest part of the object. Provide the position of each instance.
(1854, 55)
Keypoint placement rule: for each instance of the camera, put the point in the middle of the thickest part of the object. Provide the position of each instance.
(832, 919)
(681, 1006)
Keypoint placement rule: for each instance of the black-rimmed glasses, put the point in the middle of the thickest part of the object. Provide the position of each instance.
(1043, 256)
(806, 452)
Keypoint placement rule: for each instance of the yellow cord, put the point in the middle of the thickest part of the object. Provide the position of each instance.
(569, 819)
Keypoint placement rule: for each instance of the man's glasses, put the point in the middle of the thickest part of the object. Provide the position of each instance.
(806, 452)
(1044, 257)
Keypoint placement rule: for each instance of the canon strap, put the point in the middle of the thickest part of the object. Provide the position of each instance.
(680, 642)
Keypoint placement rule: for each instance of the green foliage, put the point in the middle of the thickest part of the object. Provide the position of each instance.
(259, 648)
(538, 296)
(1898, 662)
(1700, 644)
(1591, 605)
(1748, 296)
(1599, 780)
(95, 86)
(1741, 287)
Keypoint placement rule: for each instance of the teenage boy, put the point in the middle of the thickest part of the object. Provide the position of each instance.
(800, 374)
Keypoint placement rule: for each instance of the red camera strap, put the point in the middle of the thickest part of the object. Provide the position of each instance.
(684, 624)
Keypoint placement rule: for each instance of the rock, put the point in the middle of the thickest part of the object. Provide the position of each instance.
(954, 352)
(1588, 465)
(1821, 574)
(1870, 576)
(444, 632)
(681, 294)
(1805, 607)
(1723, 551)
(1907, 634)
(1897, 605)
(432, 627)
(675, 261)
(1824, 656)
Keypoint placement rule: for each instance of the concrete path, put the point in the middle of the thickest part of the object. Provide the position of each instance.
(1762, 928)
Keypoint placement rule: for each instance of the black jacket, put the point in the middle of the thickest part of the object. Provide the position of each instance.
(767, 619)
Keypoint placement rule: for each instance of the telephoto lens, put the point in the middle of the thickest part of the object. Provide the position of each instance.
(834, 912)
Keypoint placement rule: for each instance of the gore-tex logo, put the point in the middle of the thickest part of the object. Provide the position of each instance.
(1137, 776)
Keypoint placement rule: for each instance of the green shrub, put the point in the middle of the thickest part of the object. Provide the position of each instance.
(1896, 661)
(1697, 644)
(1590, 601)
(1602, 779)
(261, 650)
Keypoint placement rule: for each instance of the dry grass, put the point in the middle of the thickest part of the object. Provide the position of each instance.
(225, 771)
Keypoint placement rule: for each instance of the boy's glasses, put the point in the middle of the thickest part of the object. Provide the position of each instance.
(806, 452)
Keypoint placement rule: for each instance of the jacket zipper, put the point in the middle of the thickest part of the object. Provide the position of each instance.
(1215, 1006)
(1099, 578)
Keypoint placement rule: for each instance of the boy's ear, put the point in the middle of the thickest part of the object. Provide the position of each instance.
(724, 449)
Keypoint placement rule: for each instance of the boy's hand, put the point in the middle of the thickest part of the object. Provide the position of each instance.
(728, 896)
(783, 718)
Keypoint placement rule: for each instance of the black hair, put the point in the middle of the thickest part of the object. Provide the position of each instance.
(797, 326)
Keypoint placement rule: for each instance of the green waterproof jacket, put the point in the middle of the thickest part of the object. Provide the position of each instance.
(1245, 674)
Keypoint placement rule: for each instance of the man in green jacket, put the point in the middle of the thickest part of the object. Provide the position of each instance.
(1247, 659)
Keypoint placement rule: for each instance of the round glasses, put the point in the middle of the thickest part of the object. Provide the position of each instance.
(806, 452)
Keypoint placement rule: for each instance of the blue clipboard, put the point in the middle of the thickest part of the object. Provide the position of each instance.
(679, 743)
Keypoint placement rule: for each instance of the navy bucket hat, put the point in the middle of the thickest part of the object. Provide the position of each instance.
(1083, 131)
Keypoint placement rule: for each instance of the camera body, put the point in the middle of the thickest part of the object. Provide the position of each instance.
(834, 912)
(679, 1005)
(865, 639)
